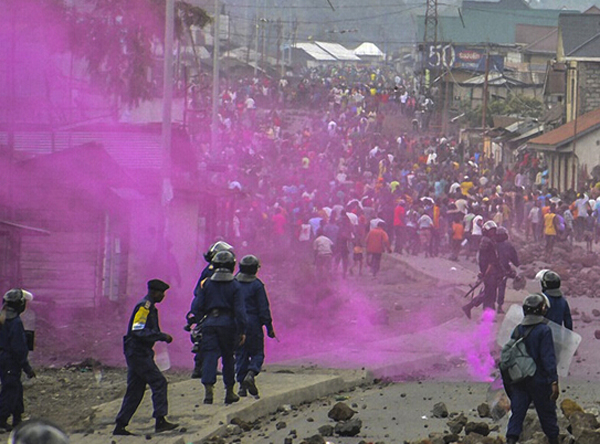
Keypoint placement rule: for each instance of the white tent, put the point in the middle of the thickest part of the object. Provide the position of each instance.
(369, 50)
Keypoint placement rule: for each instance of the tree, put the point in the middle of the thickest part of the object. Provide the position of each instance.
(119, 40)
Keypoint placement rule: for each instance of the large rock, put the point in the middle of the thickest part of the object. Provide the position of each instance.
(348, 428)
(581, 422)
(589, 437)
(480, 428)
(483, 410)
(474, 438)
(568, 407)
(440, 410)
(341, 412)
(456, 424)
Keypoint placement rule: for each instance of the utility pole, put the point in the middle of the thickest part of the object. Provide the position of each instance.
(167, 190)
(485, 90)
(429, 36)
(216, 82)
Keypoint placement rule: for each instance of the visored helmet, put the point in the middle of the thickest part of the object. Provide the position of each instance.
(215, 248)
(488, 227)
(536, 304)
(17, 298)
(224, 259)
(550, 280)
(249, 264)
(501, 234)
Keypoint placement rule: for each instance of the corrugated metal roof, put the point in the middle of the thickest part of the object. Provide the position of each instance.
(340, 52)
(565, 133)
(315, 52)
(580, 35)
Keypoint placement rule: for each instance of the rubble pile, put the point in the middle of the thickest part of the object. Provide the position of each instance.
(577, 426)
(579, 270)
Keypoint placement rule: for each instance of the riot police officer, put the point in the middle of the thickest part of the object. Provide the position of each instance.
(490, 269)
(207, 272)
(507, 255)
(220, 306)
(250, 356)
(143, 332)
(13, 356)
(559, 310)
(542, 387)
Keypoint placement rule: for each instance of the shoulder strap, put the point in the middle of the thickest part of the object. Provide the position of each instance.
(516, 334)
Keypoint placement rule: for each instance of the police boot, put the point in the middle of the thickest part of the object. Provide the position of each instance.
(249, 384)
(209, 390)
(162, 425)
(4, 425)
(242, 393)
(197, 372)
(120, 430)
(553, 440)
(230, 396)
(511, 440)
(17, 419)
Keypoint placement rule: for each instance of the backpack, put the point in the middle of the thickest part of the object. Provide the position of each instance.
(515, 363)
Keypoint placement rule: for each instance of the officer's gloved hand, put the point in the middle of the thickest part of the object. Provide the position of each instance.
(270, 332)
(187, 327)
(555, 391)
(169, 338)
(30, 373)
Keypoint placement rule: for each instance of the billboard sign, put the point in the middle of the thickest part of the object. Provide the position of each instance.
(450, 56)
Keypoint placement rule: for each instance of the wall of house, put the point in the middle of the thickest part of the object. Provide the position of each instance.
(587, 150)
(589, 84)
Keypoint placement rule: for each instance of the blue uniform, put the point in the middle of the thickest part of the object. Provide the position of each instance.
(251, 355)
(13, 360)
(538, 388)
(507, 254)
(559, 311)
(142, 332)
(220, 305)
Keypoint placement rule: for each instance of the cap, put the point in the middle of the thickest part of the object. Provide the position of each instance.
(158, 285)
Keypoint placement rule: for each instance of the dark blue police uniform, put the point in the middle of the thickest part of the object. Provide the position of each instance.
(251, 355)
(221, 305)
(13, 359)
(143, 331)
(559, 310)
(538, 388)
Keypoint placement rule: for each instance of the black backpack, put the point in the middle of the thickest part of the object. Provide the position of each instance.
(515, 363)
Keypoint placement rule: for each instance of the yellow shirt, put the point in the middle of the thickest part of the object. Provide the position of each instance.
(549, 229)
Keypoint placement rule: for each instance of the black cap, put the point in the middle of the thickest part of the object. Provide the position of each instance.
(158, 285)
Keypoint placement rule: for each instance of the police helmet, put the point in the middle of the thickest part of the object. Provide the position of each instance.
(536, 304)
(501, 234)
(488, 227)
(38, 431)
(215, 248)
(17, 298)
(223, 259)
(249, 264)
(551, 284)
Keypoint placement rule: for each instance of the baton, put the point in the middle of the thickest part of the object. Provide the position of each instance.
(473, 287)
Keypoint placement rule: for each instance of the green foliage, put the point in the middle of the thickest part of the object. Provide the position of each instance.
(118, 39)
(515, 105)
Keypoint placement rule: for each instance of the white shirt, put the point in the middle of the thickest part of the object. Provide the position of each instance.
(476, 227)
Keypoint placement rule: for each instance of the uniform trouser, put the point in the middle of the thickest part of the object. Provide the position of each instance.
(399, 241)
(11, 394)
(501, 290)
(218, 342)
(375, 263)
(142, 371)
(521, 396)
(251, 355)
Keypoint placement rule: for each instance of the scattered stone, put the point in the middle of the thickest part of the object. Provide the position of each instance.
(440, 410)
(315, 439)
(326, 430)
(568, 407)
(483, 410)
(451, 437)
(580, 422)
(597, 334)
(288, 440)
(245, 426)
(596, 312)
(481, 428)
(310, 419)
(456, 425)
(280, 425)
(341, 412)
(348, 428)
(233, 429)
(475, 438)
